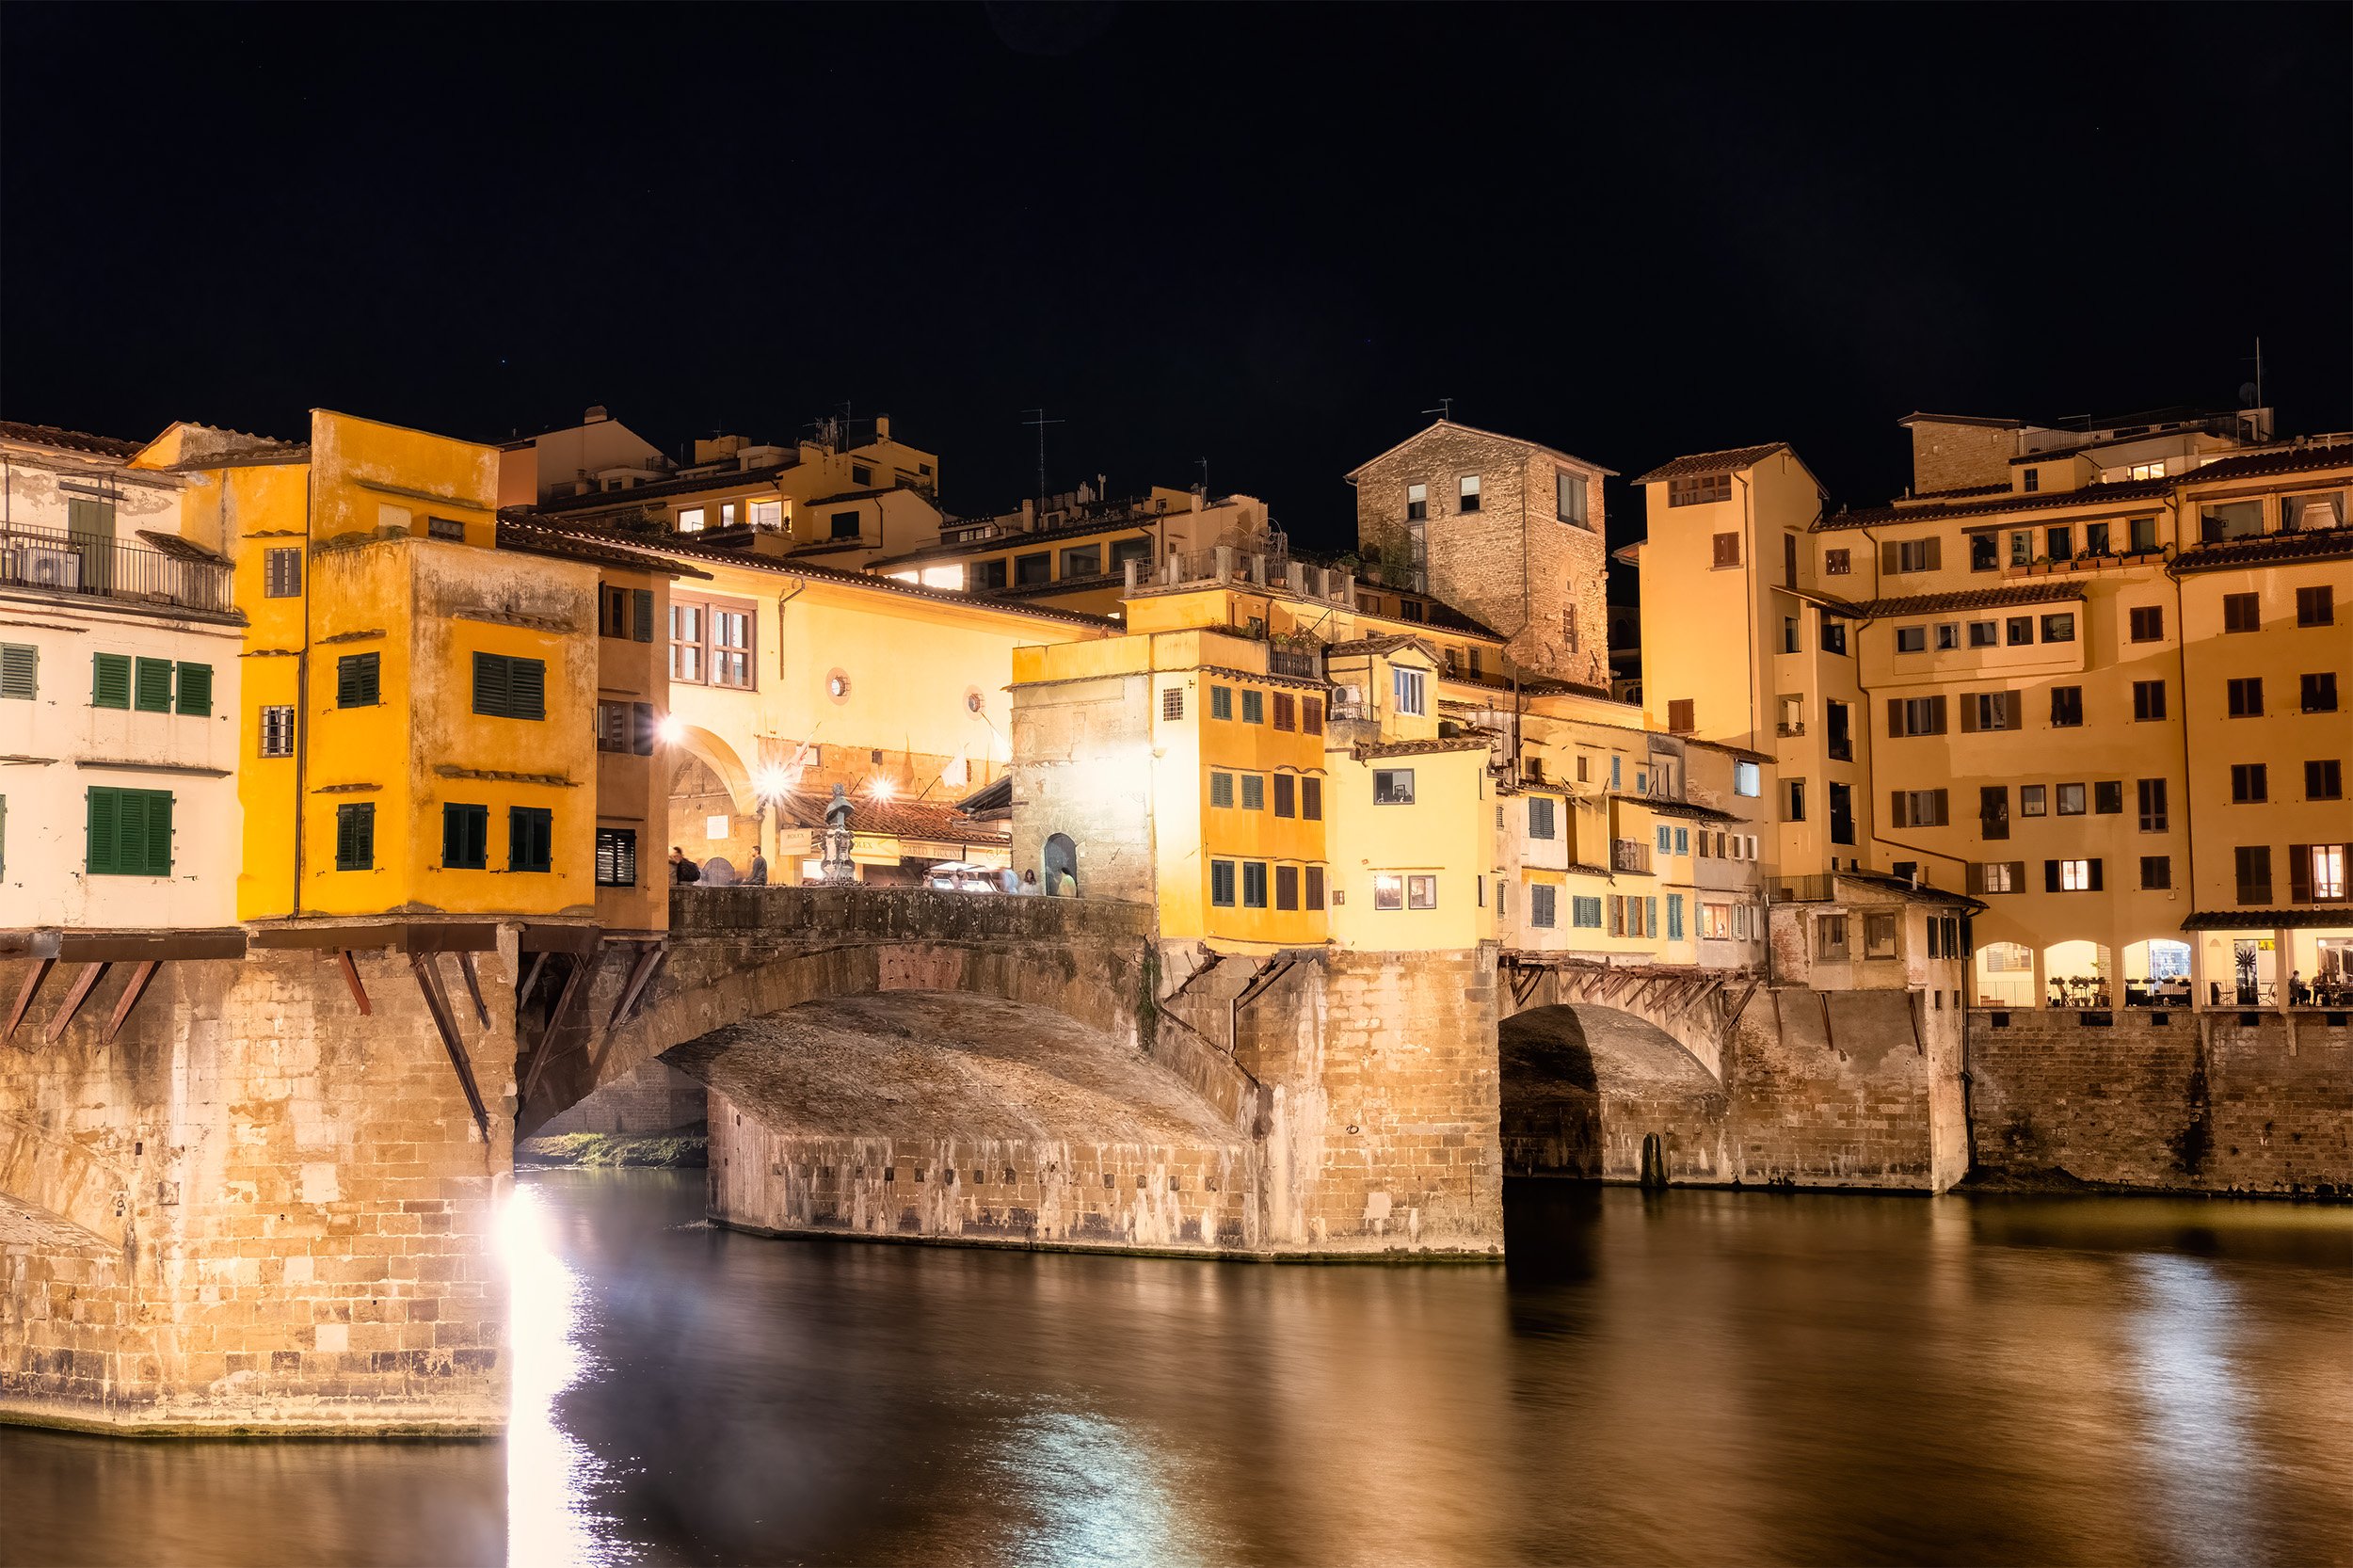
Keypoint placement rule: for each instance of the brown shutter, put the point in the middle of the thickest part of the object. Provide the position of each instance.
(1944, 813)
(1895, 716)
(1889, 556)
(2299, 873)
(2014, 711)
(2095, 876)
(1936, 555)
(2050, 877)
(1975, 881)
(1679, 715)
(1968, 713)
(1936, 715)
(1895, 809)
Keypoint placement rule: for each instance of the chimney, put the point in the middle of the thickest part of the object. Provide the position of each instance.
(595, 415)
(882, 427)
(1028, 516)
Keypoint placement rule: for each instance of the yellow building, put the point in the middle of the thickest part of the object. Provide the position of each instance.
(2067, 665)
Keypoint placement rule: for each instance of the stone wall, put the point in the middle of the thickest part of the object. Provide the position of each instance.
(277, 1214)
(2195, 1102)
(1841, 1089)
(652, 1098)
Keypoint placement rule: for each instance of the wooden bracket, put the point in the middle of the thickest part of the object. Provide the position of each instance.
(428, 972)
(87, 981)
(531, 978)
(25, 993)
(648, 953)
(575, 985)
(1523, 984)
(130, 994)
(661, 963)
(474, 987)
(351, 978)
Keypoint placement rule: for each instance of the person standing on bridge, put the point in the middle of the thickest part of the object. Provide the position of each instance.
(758, 875)
(1029, 883)
(683, 871)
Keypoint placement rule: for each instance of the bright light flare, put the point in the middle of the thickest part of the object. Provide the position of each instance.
(880, 788)
(672, 729)
(774, 781)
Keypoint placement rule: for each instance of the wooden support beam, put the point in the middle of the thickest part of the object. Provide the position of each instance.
(427, 969)
(25, 993)
(92, 974)
(648, 953)
(530, 978)
(661, 962)
(351, 978)
(575, 986)
(130, 994)
(474, 987)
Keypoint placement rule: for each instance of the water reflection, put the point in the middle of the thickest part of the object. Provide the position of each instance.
(1693, 1377)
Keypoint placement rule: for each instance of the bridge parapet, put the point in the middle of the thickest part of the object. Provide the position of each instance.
(899, 914)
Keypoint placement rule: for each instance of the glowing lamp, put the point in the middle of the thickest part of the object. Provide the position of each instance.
(880, 788)
(672, 729)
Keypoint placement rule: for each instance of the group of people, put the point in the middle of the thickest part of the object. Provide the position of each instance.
(717, 871)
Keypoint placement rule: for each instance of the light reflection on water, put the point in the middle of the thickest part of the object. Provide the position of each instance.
(1688, 1378)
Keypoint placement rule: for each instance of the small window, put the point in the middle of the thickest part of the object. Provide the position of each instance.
(2156, 871)
(2075, 876)
(2250, 783)
(691, 520)
(2070, 800)
(20, 671)
(2242, 613)
(2144, 535)
(281, 573)
(2148, 623)
(1417, 503)
(1727, 550)
(2107, 796)
(2317, 693)
(1985, 553)
(1568, 496)
(2153, 805)
(193, 696)
(509, 688)
(1789, 640)
(355, 837)
(1221, 702)
(2324, 779)
(1221, 790)
(1311, 715)
(2230, 519)
(1837, 563)
(2033, 800)
(1421, 892)
(1830, 938)
(1287, 886)
(1540, 905)
(128, 832)
(1285, 710)
(1253, 792)
(530, 838)
(356, 682)
(1311, 799)
(616, 847)
(2316, 606)
(152, 686)
(1747, 779)
(1253, 706)
(1407, 687)
(1393, 787)
(1467, 493)
(1679, 715)
(1222, 884)
(1314, 890)
(2034, 480)
(2067, 707)
(2020, 631)
(1253, 885)
(2246, 698)
(2148, 700)
(1879, 936)
(1388, 893)
(766, 515)
(2058, 629)
(2252, 864)
(2095, 539)
(465, 837)
(861, 475)
(1541, 822)
(1834, 635)
(448, 529)
(1984, 633)
(2060, 543)
(278, 730)
(1912, 639)
(1173, 703)
(1947, 636)
(1285, 795)
(1699, 491)
(1082, 560)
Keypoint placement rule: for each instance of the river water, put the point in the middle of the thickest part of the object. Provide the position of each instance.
(1688, 1378)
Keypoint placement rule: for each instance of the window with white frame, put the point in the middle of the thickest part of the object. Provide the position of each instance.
(691, 520)
(1467, 493)
(1407, 687)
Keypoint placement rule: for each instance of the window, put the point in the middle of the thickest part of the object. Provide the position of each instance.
(1727, 550)
(2242, 613)
(1467, 493)
(1666, 839)
(452, 530)
(1285, 795)
(1990, 711)
(2019, 630)
(2254, 866)
(1899, 557)
(1388, 893)
(1393, 787)
(2318, 692)
(1985, 553)
(2156, 871)
(2059, 628)
(355, 837)
(1221, 702)
(1173, 703)
(2148, 699)
(1314, 895)
(2324, 779)
(2060, 543)
(1747, 779)
(2148, 622)
(1287, 886)
(2096, 538)
(2251, 783)
(1253, 792)
(1984, 633)
(2152, 805)
(1417, 503)
(861, 475)
(2033, 800)
(1222, 884)
(616, 847)
(1919, 808)
(2067, 707)
(1699, 490)
(625, 612)
(1715, 922)
(982, 575)
(1568, 496)
(1994, 812)
(1837, 563)
(1540, 816)
(1947, 636)
(278, 730)
(530, 838)
(2033, 480)
(2325, 510)
(150, 687)
(1222, 790)
(2107, 798)
(1407, 685)
(1253, 706)
(1585, 913)
(2070, 800)
(1082, 560)
(844, 525)
(1540, 905)
(1137, 549)
(20, 667)
(509, 688)
(766, 515)
(2071, 876)
(1789, 640)
(356, 681)
(1311, 799)
(1997, 876)
(1879, 936)
(2246, 697)
(1680, 717)
(1674, 917)
(1793, 809)
(2144, 532)
(691, 520)
(2230, 519)
(1830, 938)
(710, 641)
(1421, 892)
(281, 573)
(1311, 715)
(2021, 548)
(2316, 872)
(1253, 885)
(1912, 639)
(1034, 569)
(1834, 635)
(1919, 715)
(2316, 606)
(1285, 710)
(128, 833)
(464, 836)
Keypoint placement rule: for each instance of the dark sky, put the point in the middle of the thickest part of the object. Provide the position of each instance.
(1267, 238)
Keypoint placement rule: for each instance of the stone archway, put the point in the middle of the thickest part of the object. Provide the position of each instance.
(1061, 859)
(1595, 1093)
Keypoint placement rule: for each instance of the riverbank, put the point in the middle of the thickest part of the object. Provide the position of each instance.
(686, 1148)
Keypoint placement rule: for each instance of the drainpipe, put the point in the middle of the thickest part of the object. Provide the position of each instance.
(302, 679)
(2189, 819)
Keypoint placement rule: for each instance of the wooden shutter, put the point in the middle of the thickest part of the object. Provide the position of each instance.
(2014, 711)
(1968, 712)
(2096, 883)
(526, 689)
(1895, 716)
(489, 685)
(1974, 881)
(1311, 799)
(131, 832)
(158, 850)
(356, 681)
(643, 728)
(110, 680)
(1896, 812)
(1285, 795)
(99, 831)
(2050, 877)
(1944, 814)
(20, 669)
(1936, 715)
(1936, 553)
(150, 691)
(1891, 557)
(196, 690)
(2299, 873)
(346, 837)
(1679, 715)
(641, 616)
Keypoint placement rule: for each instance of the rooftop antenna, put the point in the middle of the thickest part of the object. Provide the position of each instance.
(1037, 417)
(1444, 410)
(1203, 463)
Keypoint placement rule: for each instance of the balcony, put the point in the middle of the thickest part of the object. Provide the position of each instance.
(79, 567)
(1629, 855)
(1305, 664)
(1817, 889)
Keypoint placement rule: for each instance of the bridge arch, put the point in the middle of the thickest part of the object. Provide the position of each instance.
(725, 764)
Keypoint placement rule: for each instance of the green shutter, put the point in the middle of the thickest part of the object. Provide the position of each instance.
(110, 680)
(131, 820)
(490, 684)
(356, 681)
(196, 690)
(526, 688)
(20, 669)
(152, 690)
(529, 832)
(355, 837)
(641, 606)
(99, 831)
(158, 860)
(464, 836)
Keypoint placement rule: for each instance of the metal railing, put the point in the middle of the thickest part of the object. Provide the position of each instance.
(1306, 664)
(1817, 888)
(77, 564)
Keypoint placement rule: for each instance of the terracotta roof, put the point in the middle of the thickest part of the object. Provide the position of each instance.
(990, 802)
(2045, 592)
(2261, 465)
(1491, 435)
(1998, 488)
(1016, 539)
(2320, 544)
(1916, 417)
(1677, 808)
(182, 549)
(934, 819)
(1729, 749)
(2268, 919)
(1713, 462)
(69, 440)
(661, 488)
(2251, 465)
(1376, 749)
(1379, 644)
(537, 538)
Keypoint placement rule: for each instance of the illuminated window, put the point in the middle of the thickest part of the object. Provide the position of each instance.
(1417, 503)
(691, 521)
(2075, 876)
(1393, 787)
(1467, 493)
(1388, 893)
(1407, 685)
(767, 514)
(1421, 892)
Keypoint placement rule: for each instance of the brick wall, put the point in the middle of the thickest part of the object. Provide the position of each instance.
(1840, 1089)
(651, 1097)
(2200, 1102)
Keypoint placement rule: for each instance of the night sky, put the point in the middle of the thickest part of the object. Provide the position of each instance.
(1267, 238)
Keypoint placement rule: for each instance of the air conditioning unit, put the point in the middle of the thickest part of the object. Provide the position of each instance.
(44, 567)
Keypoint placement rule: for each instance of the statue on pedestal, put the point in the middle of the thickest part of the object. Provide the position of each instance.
(836, 867)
